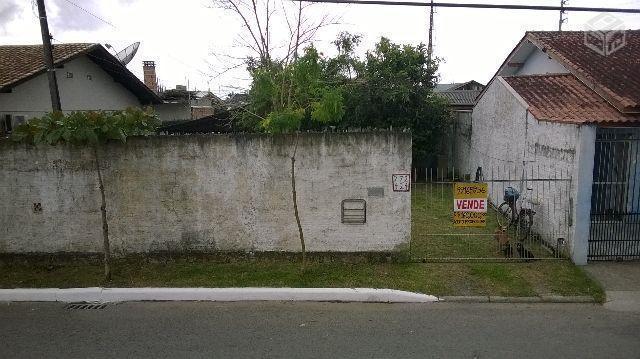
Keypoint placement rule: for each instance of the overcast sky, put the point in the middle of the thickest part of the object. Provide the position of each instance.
(189, 39)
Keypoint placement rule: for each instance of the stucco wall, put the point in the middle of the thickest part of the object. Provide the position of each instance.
(538, 63)
(90, 88)
(172, 111)
(206, 193)
(509, 143)
(460, 145)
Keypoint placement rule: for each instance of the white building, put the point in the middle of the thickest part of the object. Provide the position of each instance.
(89, 78)
(561, 109)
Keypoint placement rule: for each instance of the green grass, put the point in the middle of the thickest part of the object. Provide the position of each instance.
(435, 237)
(431, 214)
(433, 234)
(505, 279)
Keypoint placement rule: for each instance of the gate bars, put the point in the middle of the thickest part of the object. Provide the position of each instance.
(615, 196)
(545, 190)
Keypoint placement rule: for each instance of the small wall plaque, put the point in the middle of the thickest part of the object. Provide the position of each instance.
(401, 182)
(375, 191)
(354, 211)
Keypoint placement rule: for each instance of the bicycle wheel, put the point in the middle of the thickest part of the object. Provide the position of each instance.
(525, 222)
(504, 215)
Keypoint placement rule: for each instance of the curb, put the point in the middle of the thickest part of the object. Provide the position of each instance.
(108, 295)
(498, 299)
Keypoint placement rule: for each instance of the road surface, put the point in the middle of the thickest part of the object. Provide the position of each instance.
(318, 330)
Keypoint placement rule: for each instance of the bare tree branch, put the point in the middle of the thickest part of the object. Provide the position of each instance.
(234, 6)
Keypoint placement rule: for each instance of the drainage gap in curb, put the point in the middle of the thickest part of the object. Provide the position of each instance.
(85, 306)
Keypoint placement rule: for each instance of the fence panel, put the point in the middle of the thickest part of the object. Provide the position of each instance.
(615, 196)
(534, 227)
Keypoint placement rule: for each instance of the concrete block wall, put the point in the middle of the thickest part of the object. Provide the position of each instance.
(206, 193)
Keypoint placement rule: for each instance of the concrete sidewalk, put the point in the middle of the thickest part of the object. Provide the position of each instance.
(621, 282)
(108, 295)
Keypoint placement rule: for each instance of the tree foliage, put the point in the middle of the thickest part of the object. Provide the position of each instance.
(289, 97)
(390, 87)
(91, 127)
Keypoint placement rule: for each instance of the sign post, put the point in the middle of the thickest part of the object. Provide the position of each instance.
(469, 204)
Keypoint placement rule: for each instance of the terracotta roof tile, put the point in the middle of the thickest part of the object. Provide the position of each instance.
(564, 98)
(18, 62)
(616, 76)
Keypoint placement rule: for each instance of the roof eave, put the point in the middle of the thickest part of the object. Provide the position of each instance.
(502, 66)
(144, 94)
(148, 98)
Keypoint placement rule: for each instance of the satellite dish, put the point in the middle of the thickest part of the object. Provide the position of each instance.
(125, 56)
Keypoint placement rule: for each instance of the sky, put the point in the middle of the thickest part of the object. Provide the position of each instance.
(198, 44)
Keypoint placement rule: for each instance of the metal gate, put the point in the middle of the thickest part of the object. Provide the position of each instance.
(615, 196)
(543, 190)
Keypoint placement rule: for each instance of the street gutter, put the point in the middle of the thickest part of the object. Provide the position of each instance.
(365, 295)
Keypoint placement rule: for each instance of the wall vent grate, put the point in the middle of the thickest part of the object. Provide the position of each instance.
(354, 211)
(85, 306)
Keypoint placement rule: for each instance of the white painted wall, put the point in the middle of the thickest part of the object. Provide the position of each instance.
(206, 193)
(79, 93)
(538, 63)
(172, 111)
(507, 140)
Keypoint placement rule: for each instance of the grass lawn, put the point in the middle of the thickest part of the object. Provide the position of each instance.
(431, 214)
(432, 232)
(434, 237)
(505, 279)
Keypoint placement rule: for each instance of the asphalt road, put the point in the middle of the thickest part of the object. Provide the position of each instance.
(318, 330)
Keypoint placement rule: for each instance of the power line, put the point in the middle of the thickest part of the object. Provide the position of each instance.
(478, 6)
(90, 13)
(116, 28)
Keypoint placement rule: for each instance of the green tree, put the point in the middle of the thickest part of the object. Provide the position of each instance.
(393, 87)
(89, 129)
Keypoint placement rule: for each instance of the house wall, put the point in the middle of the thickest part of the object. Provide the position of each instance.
(79, 93)
(172, 111)
(507, 140)
(539, 63)
(460, 140)
(206, 193)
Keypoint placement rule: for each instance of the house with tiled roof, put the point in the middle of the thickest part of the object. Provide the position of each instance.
(89, 78)
(569, 102)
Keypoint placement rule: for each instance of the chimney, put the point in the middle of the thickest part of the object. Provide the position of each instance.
(149, 71)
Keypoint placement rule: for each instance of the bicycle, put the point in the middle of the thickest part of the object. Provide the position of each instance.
(508, 215)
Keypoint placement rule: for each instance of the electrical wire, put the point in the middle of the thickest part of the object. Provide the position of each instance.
(90, 13)
(116, 28)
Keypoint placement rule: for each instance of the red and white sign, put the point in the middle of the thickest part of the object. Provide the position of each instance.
(470, 205)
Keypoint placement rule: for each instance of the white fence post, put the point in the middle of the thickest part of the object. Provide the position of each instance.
(583, 182)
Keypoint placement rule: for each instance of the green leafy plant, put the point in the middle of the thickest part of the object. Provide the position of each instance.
(390, 87)
(89, 129)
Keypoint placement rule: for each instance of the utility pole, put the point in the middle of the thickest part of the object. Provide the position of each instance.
(48, 57)
(430, 45)
(562, 13)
